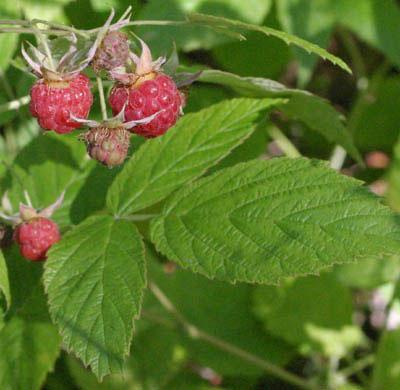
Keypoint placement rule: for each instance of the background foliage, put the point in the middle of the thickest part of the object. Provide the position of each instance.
(216, 202)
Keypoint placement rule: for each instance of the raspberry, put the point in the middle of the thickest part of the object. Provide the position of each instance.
(107, 145)
(113, 52)
(147, 98)
(35, 237)
(53, 102)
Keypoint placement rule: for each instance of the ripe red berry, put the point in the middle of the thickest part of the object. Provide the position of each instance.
(53, 102)
(145, 98)
(108, 145)
(35, 237)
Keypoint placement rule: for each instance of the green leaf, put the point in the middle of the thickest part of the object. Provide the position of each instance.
(386, 370)
(4, 284)
(311, 20)
(219, 22)
(29, 350)
(94, 279)
(314, 111)
(302, 309)
(265, 220)
(190, 37)
(250, 55)
(195, 144)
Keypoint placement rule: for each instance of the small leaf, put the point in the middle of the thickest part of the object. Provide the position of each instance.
(310, 109)
(4, 284)
(216, 21)
(94, 279)
(196, 143)
(265, 220)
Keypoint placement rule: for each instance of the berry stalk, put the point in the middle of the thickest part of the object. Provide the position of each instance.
(102, 98)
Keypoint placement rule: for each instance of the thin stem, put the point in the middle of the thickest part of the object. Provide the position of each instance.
(17, 22)
(146, 23)
(15, 104)
(197, 333)
(358, 365)
(338, 158)
(283, 142)
(62, 27)
(102, 98)
(22, 30)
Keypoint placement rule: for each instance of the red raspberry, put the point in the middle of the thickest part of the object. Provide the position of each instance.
(35, 237)
(145, 98)
(53, 103)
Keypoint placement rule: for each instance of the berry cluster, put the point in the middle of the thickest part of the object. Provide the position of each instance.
(143, 99)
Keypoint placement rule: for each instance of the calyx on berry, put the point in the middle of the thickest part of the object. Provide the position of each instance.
(108, 141)
(144, 67)
(47, 62)
(27, 211)
(35, 233)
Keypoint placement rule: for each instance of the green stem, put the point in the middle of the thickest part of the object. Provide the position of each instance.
(102, 98)
(338, 158)
(62, 27)
(358, 365)
(197, 333)
(283, 142)
(22, 30)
